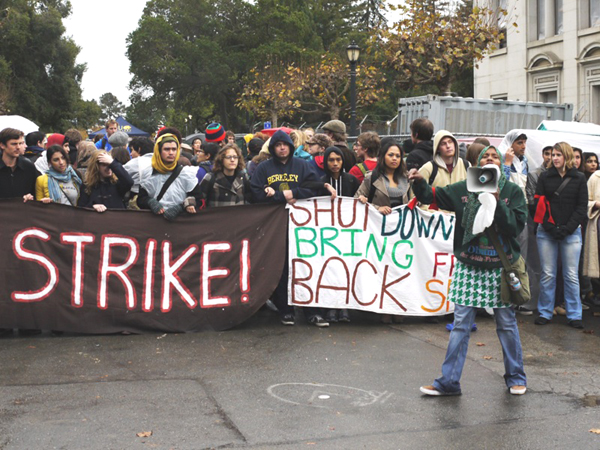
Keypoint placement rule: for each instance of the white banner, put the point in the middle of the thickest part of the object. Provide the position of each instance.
(343, 254)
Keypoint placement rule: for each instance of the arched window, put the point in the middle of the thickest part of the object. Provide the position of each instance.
(544, 73)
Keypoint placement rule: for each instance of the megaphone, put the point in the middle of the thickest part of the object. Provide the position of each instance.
(483, 179)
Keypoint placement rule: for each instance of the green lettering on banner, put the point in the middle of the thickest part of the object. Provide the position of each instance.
(441, 221)
(326, 240)
(353, 232)
(379, 252)
(311, 241)
(409, 257)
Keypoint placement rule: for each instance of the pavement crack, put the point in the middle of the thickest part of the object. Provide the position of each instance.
(229, 423)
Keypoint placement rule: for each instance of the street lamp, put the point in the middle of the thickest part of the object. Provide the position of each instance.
(353, 52)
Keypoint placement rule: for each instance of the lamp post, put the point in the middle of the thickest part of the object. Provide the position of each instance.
(353, 52)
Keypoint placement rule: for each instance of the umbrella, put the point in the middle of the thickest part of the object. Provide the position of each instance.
(18, 122)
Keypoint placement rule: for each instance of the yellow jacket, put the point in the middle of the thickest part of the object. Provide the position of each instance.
(42, 191)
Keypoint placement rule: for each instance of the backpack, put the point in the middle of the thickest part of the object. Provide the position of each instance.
(363, 168)
(435, 168)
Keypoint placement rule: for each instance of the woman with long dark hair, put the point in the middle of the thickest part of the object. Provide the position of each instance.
(387, 182)
(385, 188)
(61, 183)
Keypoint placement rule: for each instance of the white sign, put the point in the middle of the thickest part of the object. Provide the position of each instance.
(343, 254)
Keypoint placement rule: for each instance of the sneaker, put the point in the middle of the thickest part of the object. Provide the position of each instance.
(560, 310)
(432, 391)
(523, 310)
(518, 390)
(541, 321)
(576, 324)
(318, 321)
(584, 307)
(271, 306)
(288, 319)
(344, 316)
(331, 316)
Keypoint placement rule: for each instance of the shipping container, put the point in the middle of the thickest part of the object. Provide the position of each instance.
(471, 116)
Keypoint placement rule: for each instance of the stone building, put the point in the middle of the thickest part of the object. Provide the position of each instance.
(552, 55)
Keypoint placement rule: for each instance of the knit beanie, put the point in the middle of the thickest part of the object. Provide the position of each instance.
(56, 139)
(214, 133)
(119, 139)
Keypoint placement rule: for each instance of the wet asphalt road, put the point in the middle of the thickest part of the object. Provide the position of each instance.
(263, 385)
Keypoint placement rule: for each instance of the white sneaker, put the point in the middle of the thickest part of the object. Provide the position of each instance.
(432, 391)
(518, 390)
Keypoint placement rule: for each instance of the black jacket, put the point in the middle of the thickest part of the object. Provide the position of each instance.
(569, 209)
(108, 194)
(19, 182)
(422, 153)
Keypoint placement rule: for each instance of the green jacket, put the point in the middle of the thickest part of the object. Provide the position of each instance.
(509, 221)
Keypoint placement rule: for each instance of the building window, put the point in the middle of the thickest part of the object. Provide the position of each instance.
(544, 73)
(558, 16)
(594, 13)
(549, 18)
(541, 19)
(590, 70)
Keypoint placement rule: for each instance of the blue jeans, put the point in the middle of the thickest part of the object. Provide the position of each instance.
(508, 333)
(570, 249)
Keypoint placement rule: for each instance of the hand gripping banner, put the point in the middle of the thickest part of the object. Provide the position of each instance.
(343, 254)
(71, 269)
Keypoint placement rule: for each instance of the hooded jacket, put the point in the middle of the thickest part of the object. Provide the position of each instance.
(419, 155)
(347, 184)
(442, 176)
(282, 176)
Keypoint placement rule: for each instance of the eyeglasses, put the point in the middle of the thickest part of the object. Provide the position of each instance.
(231, 157)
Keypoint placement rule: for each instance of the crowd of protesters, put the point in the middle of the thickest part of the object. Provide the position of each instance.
(556, 206)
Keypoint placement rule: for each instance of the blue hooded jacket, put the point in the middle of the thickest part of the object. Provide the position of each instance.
(289, 176)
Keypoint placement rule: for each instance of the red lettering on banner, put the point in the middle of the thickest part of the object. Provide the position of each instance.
(331, 287)
(42, 260)
(245, 270)
(79, 241)
(366, 216)
(437, 263)
(293, 217)
(339, 208)
(120, 271)
(170, 278)
(208, 273)
(299, 282)
(385, 286)
(325, 210)
(354, 277)
(148, 299)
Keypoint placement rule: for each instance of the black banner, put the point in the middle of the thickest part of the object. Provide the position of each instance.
(70, 269)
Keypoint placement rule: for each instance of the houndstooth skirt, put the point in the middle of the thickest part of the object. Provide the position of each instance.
(476, 286)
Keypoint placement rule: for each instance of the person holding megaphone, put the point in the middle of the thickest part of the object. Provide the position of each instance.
(476, 281)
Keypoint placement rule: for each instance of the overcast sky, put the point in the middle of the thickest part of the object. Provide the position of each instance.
(100, 29)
